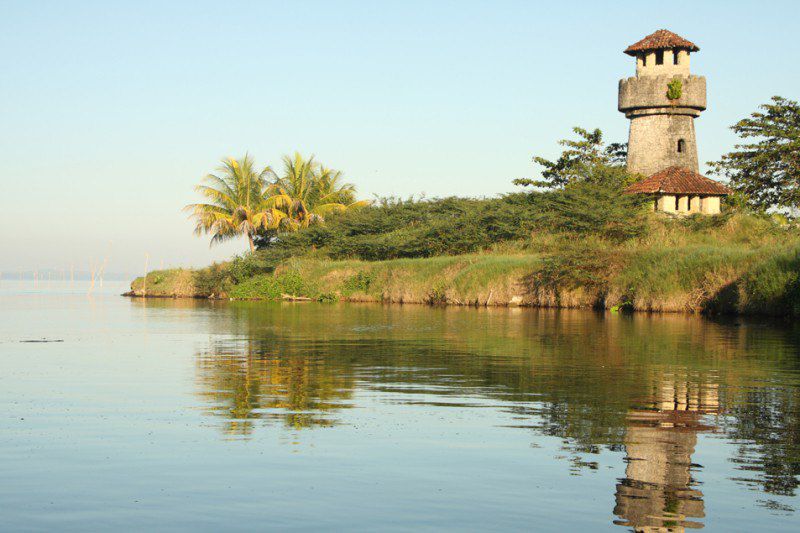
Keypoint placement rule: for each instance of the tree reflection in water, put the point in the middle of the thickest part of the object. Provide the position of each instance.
(244, 381)
(645, 385)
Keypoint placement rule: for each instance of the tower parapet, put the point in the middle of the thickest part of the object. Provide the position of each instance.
(647, 95)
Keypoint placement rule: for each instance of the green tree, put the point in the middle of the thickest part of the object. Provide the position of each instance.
(596, 205)
(766, 170)
(579, 161)
(306, 192)
(588, 178)
(236, 204)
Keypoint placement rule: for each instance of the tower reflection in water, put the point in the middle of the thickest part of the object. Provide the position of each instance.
(658, 492)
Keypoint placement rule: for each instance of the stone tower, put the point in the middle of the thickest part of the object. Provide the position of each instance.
(662, 101)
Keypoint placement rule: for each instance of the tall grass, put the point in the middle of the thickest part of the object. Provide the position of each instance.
(727, 264)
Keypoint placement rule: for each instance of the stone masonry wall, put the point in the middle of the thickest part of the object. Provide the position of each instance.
(653, 143)
(644, 95)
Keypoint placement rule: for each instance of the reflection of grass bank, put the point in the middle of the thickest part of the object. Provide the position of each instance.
(741, 264)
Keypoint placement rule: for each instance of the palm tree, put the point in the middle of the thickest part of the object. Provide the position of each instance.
(236, 203)
(306, 192)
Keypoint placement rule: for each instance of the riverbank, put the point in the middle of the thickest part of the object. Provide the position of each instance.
(709, 277)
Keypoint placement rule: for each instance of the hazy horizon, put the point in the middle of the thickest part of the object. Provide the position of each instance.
(112, 113)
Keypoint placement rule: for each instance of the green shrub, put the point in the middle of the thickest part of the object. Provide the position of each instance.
(674, 89)
(273, 287)
(358, 282)
(395, 228)
(592, 208)
(246, 266)
(214, 279)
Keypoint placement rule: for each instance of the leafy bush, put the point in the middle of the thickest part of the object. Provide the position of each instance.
(273, 287)
(394, 229)
(674, 89)
(212, 280)
(411, 228)
(358, 282)
(244, 267)
(595, 209)
(219, 278)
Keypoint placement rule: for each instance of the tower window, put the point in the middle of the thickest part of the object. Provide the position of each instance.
(681, 146)
(677, 199)
(659, 57)
(675, 57)
(644, 60)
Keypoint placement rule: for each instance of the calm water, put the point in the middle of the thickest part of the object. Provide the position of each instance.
(166, 414)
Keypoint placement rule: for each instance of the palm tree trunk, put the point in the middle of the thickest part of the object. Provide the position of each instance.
(252, 245)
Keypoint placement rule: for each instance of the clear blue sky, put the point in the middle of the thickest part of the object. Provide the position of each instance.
(112, 111)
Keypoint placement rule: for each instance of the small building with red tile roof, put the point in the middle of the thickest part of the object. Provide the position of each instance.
(682, 191)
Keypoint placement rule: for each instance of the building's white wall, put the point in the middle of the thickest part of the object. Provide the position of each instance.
(683, 59)
(711, 205)
(668, 68)
(666, 203)
(688, 204)
(639, 65)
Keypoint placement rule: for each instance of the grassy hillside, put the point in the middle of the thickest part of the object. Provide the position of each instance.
(734, 264)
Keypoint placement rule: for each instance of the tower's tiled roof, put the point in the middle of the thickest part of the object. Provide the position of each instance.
(660, 40)
(678, 180)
